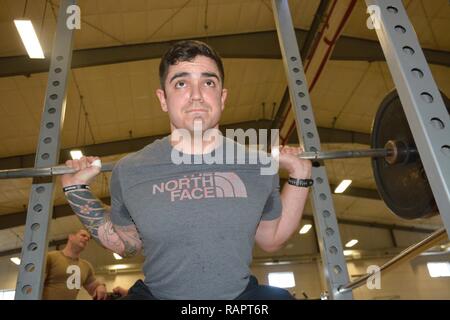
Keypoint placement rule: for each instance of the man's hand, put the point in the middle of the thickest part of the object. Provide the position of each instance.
(100, 293)
(121, 291)
(296, 167)
(86, 171)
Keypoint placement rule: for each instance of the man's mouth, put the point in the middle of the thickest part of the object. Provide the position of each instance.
(196, 110)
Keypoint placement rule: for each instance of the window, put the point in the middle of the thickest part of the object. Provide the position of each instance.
(7, 294)
(282, 279)
(439, 269)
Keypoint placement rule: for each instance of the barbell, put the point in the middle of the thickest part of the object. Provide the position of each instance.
(390, 152)
(397, 168)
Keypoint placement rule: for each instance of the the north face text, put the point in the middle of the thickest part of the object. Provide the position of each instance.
(203, 186)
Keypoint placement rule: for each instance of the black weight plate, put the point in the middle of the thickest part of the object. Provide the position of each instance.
(403, 187)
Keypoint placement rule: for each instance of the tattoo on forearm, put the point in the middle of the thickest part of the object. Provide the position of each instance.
(88, 208)
(131, 240)
(124, 240)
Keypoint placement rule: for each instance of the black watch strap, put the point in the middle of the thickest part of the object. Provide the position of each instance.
(305, 183)
(76, 187)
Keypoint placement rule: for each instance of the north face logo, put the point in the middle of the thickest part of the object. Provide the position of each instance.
(203, 186)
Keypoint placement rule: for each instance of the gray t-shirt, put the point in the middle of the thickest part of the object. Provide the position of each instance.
(197, 222)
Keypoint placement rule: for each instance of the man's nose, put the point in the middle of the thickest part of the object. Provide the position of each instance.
(196, 92)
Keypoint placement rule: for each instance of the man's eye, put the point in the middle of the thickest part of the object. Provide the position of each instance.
(180, 84)
(210, 83)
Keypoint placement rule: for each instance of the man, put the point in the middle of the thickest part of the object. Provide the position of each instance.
(197, 222)
(66, 272)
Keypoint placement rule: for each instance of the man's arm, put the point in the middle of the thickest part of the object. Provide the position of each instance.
(93, 286)
(271, 235)
(96, 290)
(94, 215)
(90, 288)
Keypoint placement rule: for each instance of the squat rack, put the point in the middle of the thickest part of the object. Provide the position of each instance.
(30, 280)
(419, 94)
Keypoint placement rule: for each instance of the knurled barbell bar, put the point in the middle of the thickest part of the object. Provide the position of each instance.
(390, 152)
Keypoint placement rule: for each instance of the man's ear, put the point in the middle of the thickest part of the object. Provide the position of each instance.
(223, 98)
(162, 99)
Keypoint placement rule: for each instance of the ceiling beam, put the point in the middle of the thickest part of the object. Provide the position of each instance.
(256, 45)
(356, 49)
(327, 135)
(313, 33)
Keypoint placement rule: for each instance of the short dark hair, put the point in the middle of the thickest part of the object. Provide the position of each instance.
(187, 50)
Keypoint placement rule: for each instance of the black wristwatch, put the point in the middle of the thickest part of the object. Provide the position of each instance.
(305, 183)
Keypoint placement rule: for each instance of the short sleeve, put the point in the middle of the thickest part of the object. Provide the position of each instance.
(272, 208)
(119, 212)
(90, 276)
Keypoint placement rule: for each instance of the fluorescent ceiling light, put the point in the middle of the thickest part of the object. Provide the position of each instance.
(348, 253)
(282, 279)
(29, 39)
(15, 260)
(279, 263)
(351, 243)
(117, 256)
(438, 269)
(342, 186)
(305, 228)
(355, 254)
(76, 154)
(118, 267)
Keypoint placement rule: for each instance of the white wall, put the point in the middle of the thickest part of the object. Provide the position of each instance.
(8, 273)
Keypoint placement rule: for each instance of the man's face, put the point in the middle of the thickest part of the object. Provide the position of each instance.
(81, 239)
(193, 93)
